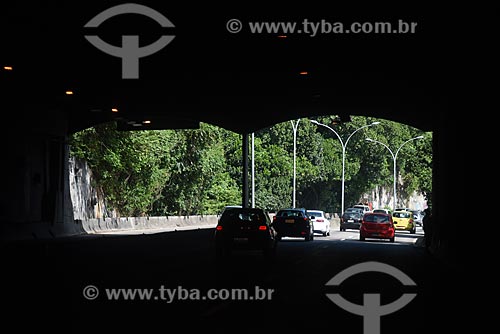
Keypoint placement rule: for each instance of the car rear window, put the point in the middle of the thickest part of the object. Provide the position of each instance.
(235, 215)
(376, 218)
(315, 213)
(290, 213)
(401, 214)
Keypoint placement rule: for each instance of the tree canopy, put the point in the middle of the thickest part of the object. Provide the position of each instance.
(188, 172)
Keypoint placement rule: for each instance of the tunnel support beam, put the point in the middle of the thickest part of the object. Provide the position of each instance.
(244, 161)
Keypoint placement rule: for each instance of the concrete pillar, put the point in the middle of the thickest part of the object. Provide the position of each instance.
(244, 161)
(35, 199)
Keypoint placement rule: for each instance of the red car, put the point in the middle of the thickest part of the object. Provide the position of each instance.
(377, 226)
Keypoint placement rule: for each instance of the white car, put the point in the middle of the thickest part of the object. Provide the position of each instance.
(363, 207)
(320, 223)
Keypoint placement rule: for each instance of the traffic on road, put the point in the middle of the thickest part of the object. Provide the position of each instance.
(177, 278)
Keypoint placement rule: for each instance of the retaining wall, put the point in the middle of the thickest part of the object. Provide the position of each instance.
(99, 225)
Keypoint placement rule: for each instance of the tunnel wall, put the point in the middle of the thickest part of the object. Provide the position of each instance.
(35, 199)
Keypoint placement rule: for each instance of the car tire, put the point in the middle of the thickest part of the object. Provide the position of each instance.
(391, 239)
(361, 238)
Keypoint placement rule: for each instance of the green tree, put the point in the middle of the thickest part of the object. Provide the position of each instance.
(129, 167)
(200, 178)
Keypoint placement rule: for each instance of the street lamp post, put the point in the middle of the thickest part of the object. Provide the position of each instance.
(253, 170)
(294, 126)
(344, 145)
(394, 157)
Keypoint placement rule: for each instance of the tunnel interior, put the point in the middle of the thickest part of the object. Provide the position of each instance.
(57, 83)
(241, 82)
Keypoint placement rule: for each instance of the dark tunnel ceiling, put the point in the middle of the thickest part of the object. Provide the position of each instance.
(242, 82)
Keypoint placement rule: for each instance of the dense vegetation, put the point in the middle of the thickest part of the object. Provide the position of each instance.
(185, 172)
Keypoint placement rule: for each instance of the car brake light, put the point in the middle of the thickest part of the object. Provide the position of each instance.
(219, 228)
(262, 227)
(320, 220)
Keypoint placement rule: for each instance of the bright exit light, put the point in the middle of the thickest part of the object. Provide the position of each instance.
(8, 68)
(114, 109)
(69, 92)
(304, 73)
(146, 122)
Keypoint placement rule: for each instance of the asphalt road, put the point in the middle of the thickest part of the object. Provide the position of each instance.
(67, 285)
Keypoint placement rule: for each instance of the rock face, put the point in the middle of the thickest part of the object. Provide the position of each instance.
(87, 200)
(381, 197)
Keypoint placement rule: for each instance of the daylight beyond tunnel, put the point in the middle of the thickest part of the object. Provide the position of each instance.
(318, 163)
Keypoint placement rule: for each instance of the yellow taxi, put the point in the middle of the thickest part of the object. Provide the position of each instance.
(403, 220)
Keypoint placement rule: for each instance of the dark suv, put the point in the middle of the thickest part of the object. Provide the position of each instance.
(245, 229)
(351, 219)
(293, 223)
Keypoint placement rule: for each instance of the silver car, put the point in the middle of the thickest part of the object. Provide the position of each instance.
(417, 217)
